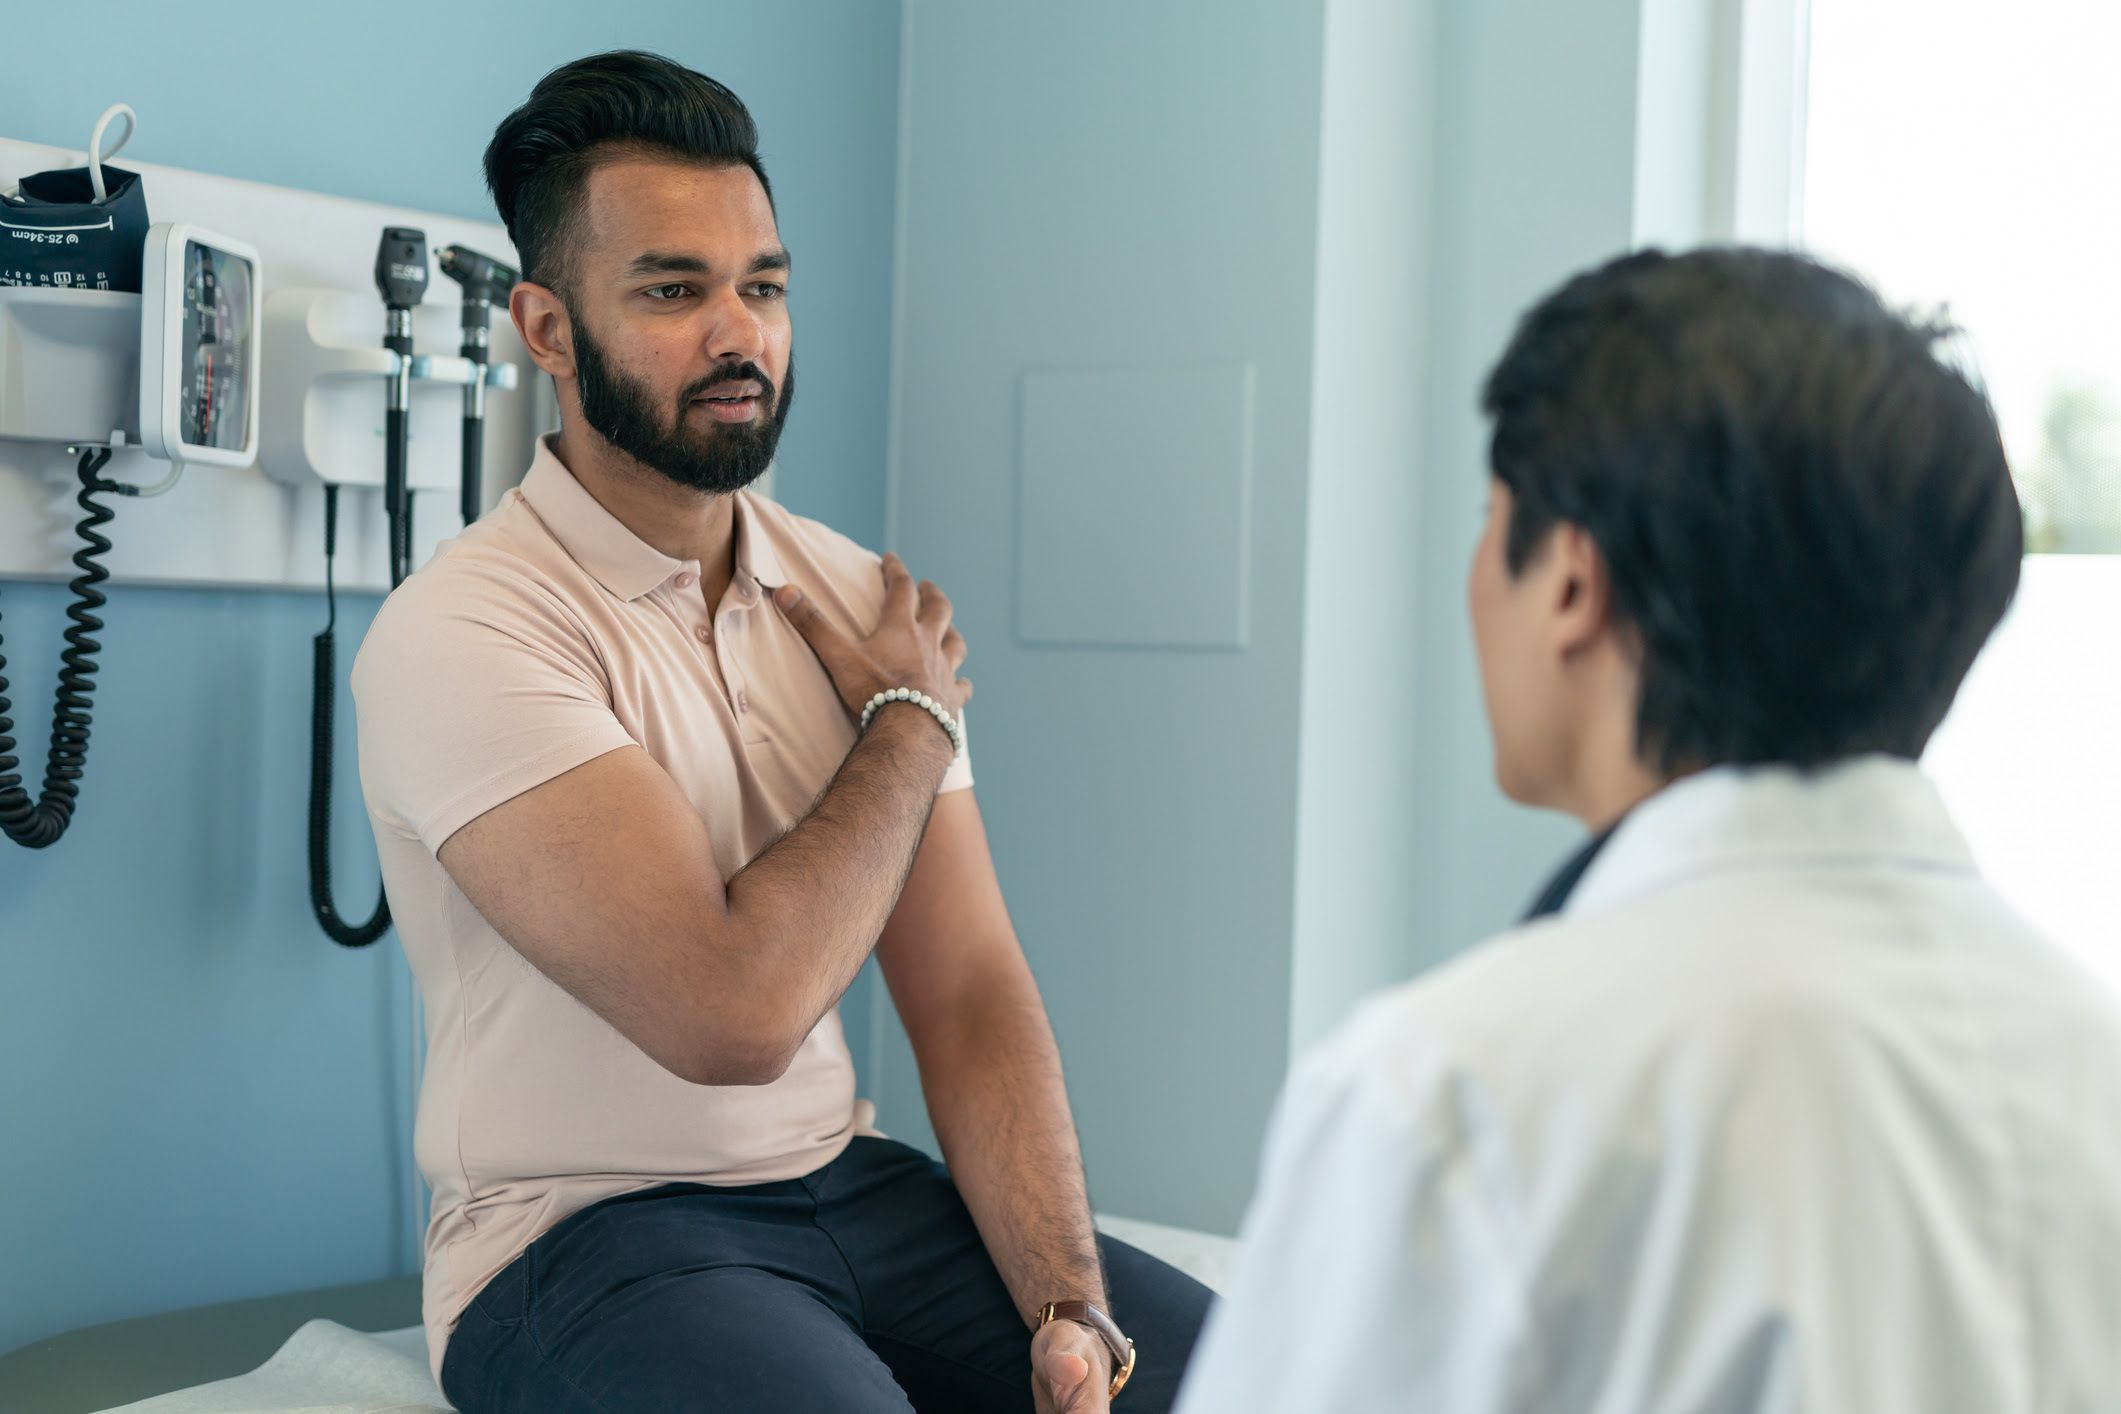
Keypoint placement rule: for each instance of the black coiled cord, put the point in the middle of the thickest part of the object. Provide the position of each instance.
(41, 822)
(323, 696)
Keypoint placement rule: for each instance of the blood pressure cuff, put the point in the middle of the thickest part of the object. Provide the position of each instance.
(54, 233)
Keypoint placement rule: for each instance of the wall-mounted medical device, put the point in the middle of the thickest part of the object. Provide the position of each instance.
(401, 279)
(172, 368)
(485, 282)
(234, 364)
(201, 312)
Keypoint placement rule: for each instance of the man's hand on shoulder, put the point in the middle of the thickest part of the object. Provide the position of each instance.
(914, 645)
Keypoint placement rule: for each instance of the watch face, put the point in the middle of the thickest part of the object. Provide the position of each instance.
(213, 395)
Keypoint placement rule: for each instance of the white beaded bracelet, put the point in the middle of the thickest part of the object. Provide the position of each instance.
(923, 701)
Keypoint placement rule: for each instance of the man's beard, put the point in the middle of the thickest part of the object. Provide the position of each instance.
(721, 458)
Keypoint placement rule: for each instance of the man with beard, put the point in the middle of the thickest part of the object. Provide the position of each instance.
(653, 766)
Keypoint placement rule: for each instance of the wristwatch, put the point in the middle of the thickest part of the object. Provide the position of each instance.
(1084, 1314)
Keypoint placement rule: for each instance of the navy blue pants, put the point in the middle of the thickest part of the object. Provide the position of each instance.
(860, 1287)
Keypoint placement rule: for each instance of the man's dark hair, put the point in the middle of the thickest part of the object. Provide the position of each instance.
(1805, 511)
(622, 103)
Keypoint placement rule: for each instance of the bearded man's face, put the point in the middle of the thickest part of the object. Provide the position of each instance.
(676, 291)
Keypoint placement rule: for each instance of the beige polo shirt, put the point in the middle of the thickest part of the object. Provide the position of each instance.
(543, 637)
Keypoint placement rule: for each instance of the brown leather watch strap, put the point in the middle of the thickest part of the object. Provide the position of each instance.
(1084, 1314)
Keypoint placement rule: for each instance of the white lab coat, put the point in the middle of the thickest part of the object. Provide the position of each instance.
(1785, 1111)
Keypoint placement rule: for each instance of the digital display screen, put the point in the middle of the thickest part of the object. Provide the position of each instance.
(213, 397)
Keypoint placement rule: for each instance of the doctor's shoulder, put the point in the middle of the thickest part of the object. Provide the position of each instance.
(1458, 1029)
(1562, 1007)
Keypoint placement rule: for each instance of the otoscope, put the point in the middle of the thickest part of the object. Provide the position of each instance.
(401, 278)
(486, 282)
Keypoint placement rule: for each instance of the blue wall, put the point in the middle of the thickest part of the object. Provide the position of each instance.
(1126, 187)
(1534, 180)
(201, 1098)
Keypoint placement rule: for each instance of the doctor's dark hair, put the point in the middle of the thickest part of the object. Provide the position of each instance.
(623, 103)
(1805, 511)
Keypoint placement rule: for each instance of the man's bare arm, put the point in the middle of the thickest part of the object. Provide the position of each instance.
(604, 878)
(992, 1077)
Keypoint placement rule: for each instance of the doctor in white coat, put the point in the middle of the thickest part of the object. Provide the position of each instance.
(1773, 1105)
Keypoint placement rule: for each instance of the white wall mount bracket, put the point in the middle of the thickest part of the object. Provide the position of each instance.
(323, 394)
(69, 365)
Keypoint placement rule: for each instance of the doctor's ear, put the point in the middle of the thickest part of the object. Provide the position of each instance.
(548, 333)
(1580, 588)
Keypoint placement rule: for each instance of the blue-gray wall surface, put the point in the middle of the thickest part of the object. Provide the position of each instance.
(1128, 188)
(1536, 113)
(200, 1097)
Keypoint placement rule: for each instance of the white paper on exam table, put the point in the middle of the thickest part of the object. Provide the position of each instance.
(323, 1369)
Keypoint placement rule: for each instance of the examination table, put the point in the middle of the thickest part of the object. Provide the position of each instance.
(307, 1351)
(103, 1367)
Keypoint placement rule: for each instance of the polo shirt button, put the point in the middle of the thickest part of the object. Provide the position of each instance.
(743, 702)
(706, 634)
(687, 580)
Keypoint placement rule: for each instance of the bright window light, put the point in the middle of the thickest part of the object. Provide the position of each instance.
(1962, 154)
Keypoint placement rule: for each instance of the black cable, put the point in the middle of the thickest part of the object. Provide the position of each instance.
(323, 696)
(397, 434)
(403, 567)
(40, 823)
(395, 497)
(469, 489)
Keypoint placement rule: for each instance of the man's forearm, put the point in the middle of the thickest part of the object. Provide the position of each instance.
(810, 907)
(1000, 1110)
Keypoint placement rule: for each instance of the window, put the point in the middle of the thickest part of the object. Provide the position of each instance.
(1962, 153)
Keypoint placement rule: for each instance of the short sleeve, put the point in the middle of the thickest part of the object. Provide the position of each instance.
(1371, 1275)
(959, 776)
(469, 694)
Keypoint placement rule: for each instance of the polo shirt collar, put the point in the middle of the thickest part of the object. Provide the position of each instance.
(756, 558)
(614, 556)
(1872, 810)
